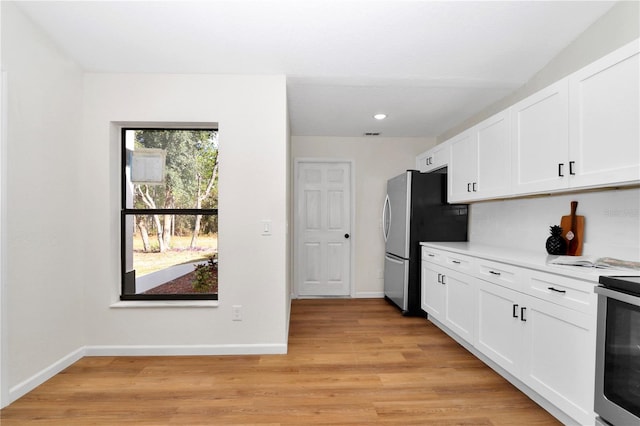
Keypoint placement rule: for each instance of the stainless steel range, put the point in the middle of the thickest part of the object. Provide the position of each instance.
(617, 387)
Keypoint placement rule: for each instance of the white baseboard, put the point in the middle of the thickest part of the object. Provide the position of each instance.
(359, 295)
(168, 350)
(370, 295)
(39, 378)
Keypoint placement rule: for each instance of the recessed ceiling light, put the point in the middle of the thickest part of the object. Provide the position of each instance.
(380, 116)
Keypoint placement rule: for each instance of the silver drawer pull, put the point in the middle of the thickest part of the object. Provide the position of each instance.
(432, 255)
(494, 273)
(457, 262)
(556, 290)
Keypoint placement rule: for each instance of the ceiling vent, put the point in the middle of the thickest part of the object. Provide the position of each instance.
(372, 134)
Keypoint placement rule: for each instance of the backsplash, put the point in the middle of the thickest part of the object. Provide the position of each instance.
(612, 222)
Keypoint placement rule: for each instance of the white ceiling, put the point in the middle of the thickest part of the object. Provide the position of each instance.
(427, 64)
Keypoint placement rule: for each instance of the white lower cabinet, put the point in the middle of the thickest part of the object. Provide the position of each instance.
(536, 326)
(432, 294)
(559, 357)
(449, 297)
(548, 347)
(499, 335)
(459, 304)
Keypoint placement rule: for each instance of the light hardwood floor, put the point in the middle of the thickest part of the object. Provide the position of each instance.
(350, 362)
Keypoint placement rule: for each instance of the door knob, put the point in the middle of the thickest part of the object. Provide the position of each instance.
(346, 235)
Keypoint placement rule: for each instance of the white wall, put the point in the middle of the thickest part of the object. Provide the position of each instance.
(376, 160)
(60, 232)
(253, 272)
(42, 236)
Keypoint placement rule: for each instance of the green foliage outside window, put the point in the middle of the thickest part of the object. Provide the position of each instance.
(191, 182)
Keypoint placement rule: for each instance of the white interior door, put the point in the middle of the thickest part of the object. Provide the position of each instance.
(323, 228)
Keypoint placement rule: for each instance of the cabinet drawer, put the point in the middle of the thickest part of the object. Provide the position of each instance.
(500, 273)
(454, 261)
(430, 255)
(568, 292)
(458, 262)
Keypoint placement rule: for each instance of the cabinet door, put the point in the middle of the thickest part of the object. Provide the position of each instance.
(423, 160)
(434, 159)
(605, 120)
(460, 302)
(441, 154)
(559, 357)
(540, 135)
(463, 167)
(494, 156)
(499, 327)
(432, 291)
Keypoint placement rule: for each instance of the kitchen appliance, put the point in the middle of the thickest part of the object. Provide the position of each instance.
(415, 209)
(617, 387)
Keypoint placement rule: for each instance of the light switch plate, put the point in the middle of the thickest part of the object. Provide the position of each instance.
(266, 227)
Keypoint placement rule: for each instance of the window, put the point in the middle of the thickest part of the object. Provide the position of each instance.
(169, 219)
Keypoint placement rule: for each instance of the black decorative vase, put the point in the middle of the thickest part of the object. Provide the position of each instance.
(556, 244)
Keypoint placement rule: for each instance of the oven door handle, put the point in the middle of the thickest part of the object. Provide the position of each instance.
(618, 295)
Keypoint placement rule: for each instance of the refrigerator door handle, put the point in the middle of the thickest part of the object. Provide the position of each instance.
(394, 259)
(386, 210)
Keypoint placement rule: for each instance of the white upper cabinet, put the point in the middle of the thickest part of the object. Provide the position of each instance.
(481, 161)
(494, 156)
(463, 167)
(540, 140)
(434, 159)
(580, 132)
(604, 108)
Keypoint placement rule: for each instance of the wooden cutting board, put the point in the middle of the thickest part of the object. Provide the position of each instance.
(575, 224)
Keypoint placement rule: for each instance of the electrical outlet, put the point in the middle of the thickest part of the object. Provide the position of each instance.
(236, 313)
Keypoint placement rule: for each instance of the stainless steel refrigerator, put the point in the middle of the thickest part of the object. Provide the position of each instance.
(415, 210)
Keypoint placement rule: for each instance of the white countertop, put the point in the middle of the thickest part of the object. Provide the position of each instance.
(527, 259)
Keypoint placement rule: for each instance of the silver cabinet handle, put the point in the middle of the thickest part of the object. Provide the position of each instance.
(522, 311)
(494, 273)
(556, 290)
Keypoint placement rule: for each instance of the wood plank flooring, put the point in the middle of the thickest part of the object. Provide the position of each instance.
(350, 362)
